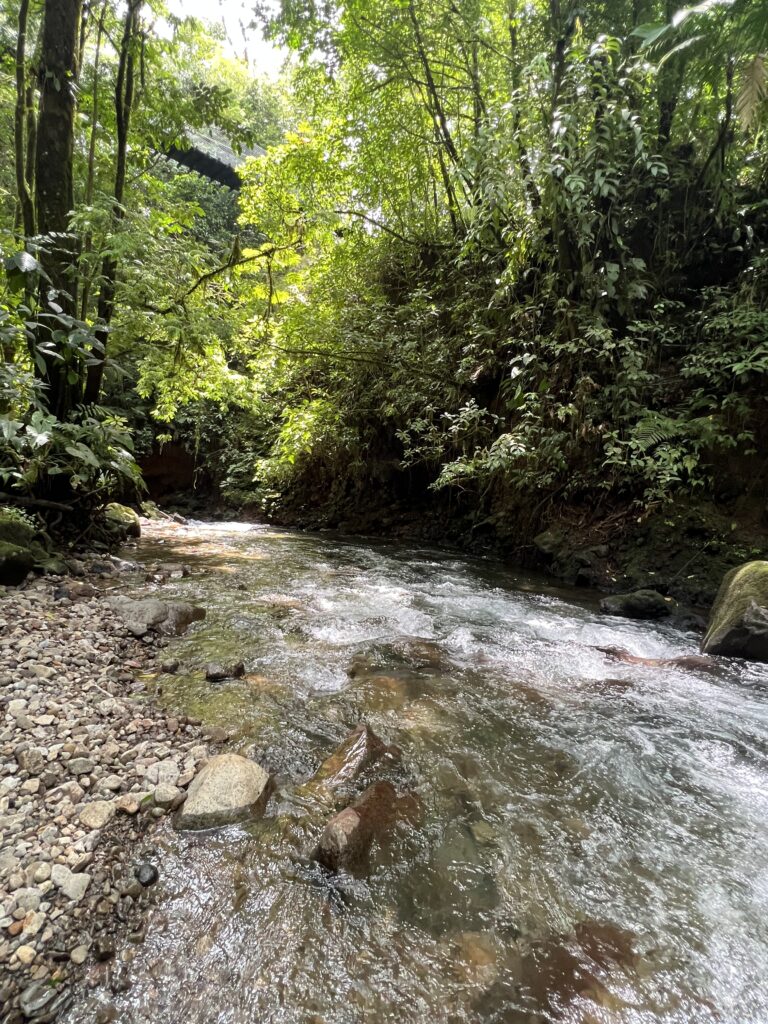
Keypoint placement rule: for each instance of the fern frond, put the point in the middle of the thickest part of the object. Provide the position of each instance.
(656, 429)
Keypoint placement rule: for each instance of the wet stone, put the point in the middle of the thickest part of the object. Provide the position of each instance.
(216, 672)
(104, 949)
(146, 874)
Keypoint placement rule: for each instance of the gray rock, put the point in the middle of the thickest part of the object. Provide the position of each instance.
(42, 1002)
(31, 760)
(167, 795)
(229, 788)
(215, 672)
(72, 885)
(640, 604)
(97, 814)
(80, 766)
(79, 954)
(149, 614)
(738, 625)
(166, 771)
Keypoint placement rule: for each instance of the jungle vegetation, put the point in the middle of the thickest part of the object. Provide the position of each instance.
(503, 255)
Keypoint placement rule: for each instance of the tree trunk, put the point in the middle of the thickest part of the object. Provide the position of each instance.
(91, 174)
(20, 126)
(124, 91)
(54, 195)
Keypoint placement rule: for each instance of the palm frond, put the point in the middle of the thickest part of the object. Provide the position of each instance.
(753, 91)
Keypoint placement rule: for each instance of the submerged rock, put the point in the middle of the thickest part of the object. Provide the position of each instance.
(348, 836)
(640, 604)
(150, 614)
(146, 874)
(688, 662)
(361, 748)
(738, 624)
(229, 788)
(562, 970)
(216, 673)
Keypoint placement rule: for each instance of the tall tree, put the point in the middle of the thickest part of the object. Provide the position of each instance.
(55, 195)
(124, 94)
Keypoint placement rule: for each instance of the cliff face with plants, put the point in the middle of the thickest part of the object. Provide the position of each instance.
(502, 272)
(524, 279)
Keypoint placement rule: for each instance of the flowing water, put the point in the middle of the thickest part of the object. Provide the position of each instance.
(592, 845)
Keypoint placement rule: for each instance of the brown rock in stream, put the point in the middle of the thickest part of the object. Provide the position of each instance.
(564, 969)
(348, 836)
(361, 748)
(689, 662)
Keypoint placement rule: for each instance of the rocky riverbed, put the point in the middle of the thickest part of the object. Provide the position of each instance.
(87, 765)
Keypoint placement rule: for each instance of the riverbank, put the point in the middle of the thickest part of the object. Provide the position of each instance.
(87, 765)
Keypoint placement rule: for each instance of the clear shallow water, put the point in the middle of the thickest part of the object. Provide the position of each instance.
(593, 845)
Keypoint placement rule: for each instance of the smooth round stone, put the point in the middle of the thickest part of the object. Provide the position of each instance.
(146, 874)
(26, 954)
(79, 954)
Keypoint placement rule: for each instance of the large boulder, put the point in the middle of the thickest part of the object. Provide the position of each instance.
(15, 529)
(229, 788)
(122, 520)
(20, 547)
(15, 564)
(738, 624)
(640, 604)
(150, 614)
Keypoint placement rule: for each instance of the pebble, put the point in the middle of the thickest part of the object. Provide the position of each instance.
(97, 814)
(166, 795)
(72, 884)
(146, 874)
(82, 756)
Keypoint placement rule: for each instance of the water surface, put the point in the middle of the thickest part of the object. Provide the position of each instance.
(593, 844)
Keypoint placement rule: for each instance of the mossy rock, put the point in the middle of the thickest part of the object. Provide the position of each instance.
(15, 530)
(16, 562)
(122, 520)
(640, 604)
(150, 510)
(738, 624)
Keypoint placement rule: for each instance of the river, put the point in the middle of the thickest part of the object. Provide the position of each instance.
(593, 842)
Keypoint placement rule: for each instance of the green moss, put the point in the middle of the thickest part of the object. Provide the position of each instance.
(739, 621)
(122, 519)
(15, 528)
(15, 563)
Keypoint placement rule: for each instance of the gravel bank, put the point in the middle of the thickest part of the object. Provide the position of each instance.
(87, 764)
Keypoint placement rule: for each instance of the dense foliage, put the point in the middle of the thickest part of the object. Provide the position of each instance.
(510, 255)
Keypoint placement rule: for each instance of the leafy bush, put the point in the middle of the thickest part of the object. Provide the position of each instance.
(90, 459)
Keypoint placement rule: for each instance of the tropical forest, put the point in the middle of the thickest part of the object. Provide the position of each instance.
(384, 511)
